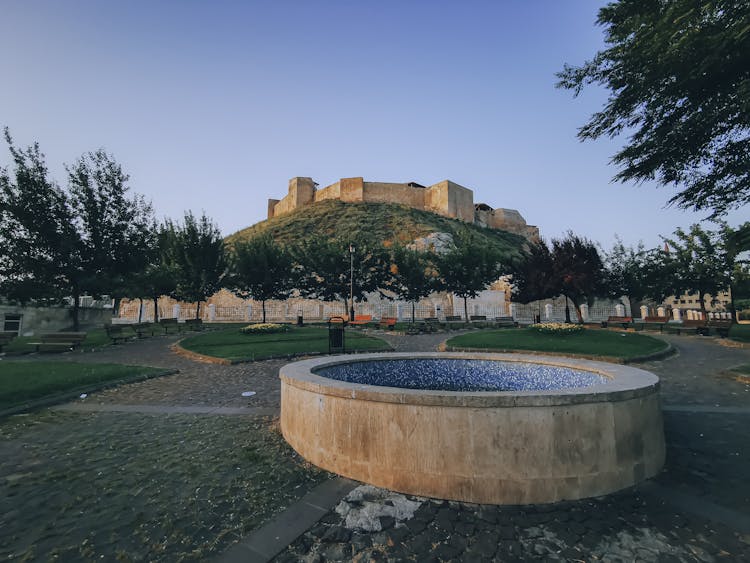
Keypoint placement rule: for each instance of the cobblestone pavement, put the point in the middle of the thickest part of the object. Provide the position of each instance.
(74, 486)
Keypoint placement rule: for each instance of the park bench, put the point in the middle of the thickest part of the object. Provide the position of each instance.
(387, 323)
(505, 322)
(118, 332)
(168, 324)
(59, 341)
(696, 326)
(361, 320)
(454, 319)
(194, 324)
(6, 337)
(721, 326)
(622, 321)
(478, 318)
(142, 329)
(654, 322)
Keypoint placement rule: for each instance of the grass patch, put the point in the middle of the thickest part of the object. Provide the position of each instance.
(743, 369)
(740, 332)
(603, 343)
(233, 345)
(95, 338)
(25, 381)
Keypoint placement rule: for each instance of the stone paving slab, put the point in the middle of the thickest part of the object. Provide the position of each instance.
(265, 543)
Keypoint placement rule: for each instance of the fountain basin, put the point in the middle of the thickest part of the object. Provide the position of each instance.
(498, 447)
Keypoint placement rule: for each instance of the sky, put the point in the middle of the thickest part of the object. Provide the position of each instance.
(214, 106)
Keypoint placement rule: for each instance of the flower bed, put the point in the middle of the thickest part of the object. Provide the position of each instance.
(557, 328)
(265, 328)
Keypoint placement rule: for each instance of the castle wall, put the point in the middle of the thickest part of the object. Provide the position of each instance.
(451, 200)
(383, 192)
(329, 192)
(301, 192)
(352, 189)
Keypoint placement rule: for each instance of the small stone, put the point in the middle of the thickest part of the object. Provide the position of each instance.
(319, 530)
(337, 552)
(387, 522)
(507, 533)
(416, 525)
(336, 534)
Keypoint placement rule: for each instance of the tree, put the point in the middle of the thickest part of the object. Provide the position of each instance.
(323, 269)
(579, 270)
(260, 269)
(678, 74)
(196, 254)
(39, 251)
(625, 273)
(699, 262)
(157, 276)
(63, 243)
(468, 268)
(533, 275)
(413, 275)
(115, 230)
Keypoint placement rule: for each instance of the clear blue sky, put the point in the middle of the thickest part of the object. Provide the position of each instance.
(215, 105)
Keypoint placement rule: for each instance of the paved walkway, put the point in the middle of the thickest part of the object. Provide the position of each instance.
(184, 460)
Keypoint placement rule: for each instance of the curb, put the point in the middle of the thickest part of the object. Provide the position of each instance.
(180, 351)
(75, 393)
(668, 351)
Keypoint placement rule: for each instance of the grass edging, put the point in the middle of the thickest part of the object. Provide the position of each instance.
(195, 356)
(658, 355)
(75, 393)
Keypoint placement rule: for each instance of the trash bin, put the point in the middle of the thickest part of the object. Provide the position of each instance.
(336, 337)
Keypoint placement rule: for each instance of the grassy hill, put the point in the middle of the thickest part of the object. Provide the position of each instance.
(383, 221)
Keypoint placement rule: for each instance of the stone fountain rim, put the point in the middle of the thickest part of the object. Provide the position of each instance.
(623, 382)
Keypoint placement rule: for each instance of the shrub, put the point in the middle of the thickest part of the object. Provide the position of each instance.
(265, 328)
(557, 328)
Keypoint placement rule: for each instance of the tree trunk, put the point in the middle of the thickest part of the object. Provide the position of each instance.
(76, 307)
(466, 309)
(116, 307)
(579, 315)
(198, 310)
(702, 301)
(156, 308)
(412, 312)
(140, 310)
(732, 309)
(263, 307)
(567, 309)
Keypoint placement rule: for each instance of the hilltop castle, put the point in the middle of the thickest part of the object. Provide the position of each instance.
(444, 198)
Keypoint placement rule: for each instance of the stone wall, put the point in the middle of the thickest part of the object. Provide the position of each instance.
(53, 319)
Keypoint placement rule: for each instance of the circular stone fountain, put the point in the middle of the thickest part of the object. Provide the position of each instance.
(484, 428)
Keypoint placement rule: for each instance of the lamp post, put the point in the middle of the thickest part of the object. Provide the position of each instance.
(351, 282)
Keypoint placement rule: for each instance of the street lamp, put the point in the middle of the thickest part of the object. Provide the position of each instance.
(351, 282)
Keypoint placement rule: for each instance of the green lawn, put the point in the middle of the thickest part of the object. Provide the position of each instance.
(233, 345)
(24, 381)
(740, 332)
(589, 342)
(95, 338)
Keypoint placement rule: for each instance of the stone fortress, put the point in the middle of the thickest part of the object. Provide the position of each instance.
(444, 198)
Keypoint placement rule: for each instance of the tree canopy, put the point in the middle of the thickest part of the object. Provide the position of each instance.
(413, 275)
(260, 269)
(468, 268)
(579, 271)
(196, 254)
(678, 75)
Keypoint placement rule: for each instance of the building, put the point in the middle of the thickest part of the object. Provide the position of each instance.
(445, 198)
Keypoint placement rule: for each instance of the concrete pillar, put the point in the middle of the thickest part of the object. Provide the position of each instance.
(176, 310)
(585, 312)
(661, 312)
(399, 311)
(512, 307)
(211, 313)
(676, 314)
(548, 311)
(620, 310)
